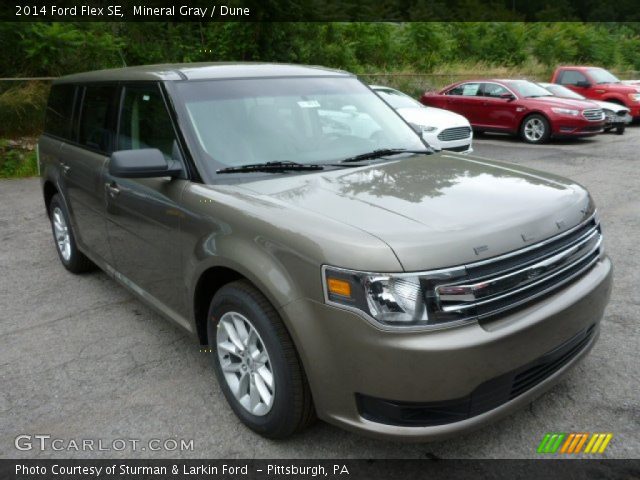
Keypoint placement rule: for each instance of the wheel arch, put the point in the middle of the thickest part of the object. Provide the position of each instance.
(534, 112)
(49, 189)
(616, 100)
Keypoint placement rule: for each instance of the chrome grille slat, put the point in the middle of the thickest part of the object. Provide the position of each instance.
(521, 276)
(527, 286)
(455, 133)
(593, 115)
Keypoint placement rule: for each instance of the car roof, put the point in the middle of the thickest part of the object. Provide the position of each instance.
(202, 71)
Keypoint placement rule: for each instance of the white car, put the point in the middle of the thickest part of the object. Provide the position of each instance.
(616, 116)
(442, 129)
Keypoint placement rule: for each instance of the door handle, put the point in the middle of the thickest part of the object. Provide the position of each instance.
(112, 189)
(65, 168)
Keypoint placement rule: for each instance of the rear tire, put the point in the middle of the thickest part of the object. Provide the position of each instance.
(535, 129)
(277, 408)
(72, 259)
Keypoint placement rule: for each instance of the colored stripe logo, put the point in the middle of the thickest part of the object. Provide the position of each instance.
(573, 443)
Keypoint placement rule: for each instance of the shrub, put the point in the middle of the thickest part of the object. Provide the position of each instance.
(22, 109)
(17, 160)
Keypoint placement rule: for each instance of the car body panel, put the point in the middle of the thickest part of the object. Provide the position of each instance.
(609, 92)
(616, 114)
(432, 120)
(434, 211)
(507, 114)
(159, 237)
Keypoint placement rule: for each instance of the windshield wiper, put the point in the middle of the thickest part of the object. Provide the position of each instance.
(382, 152)
(270, 167)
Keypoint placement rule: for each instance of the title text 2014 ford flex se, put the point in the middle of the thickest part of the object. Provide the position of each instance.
(332, 268)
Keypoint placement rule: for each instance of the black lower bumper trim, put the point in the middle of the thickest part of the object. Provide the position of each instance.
(485, 397)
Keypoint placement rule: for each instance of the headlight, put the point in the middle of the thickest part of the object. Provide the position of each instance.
(566, 111)
(392, 300)
(635, 97)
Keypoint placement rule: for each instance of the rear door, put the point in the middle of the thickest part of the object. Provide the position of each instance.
(82, 164)
(465, 99)
(143, 214)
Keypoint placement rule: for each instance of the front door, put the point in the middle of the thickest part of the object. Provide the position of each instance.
(143, 214)
(498, 113)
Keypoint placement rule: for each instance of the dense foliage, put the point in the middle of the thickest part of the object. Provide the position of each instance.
(413, 49)
(59, 48)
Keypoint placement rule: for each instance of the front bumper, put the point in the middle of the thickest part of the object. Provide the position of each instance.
(463, 145)
(612, 121)
(346, 358)
(576, 127)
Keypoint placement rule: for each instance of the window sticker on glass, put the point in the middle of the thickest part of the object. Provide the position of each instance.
(470, 89)
(146, 98)
(309, 104)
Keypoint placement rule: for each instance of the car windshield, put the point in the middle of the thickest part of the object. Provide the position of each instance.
(397, 99)
(600, 75)
(560, 91)
(305, 120)
(528, 89)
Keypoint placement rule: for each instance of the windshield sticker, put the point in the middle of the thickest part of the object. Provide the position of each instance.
(309, 104)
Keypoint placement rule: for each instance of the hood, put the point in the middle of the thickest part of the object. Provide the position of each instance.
(430, 116)
(562, 102)
(619, 87)
(437, 211)
(616, 107)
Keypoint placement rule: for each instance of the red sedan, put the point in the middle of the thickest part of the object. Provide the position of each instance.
(518, 107)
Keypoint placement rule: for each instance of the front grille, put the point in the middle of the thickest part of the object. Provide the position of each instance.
(461, 148)
(487, 396)
(593, 115)
(457, 133)
(495, 286)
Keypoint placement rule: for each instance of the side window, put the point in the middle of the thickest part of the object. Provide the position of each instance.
(95, 120)
(144, 121)
(494, 90)
(571, 77)
(59, 111)
(466, 90)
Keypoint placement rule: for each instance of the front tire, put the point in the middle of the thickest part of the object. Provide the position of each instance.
(256, 363)
(620, 130)
(73, 259)
(535, 129)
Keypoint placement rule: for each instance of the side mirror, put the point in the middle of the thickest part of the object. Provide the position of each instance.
(142, 163)
(507, 96)
(583, 84)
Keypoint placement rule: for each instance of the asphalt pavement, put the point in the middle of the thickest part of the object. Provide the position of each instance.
(81, 359)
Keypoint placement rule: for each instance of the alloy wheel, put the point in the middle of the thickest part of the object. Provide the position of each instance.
(534, 129)
(245, 363)
(61, 233)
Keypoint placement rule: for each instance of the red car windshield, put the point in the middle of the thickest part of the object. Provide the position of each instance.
(528, 89)
(600, 76)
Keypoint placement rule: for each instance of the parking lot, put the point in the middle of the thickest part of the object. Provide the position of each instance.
(80, 358)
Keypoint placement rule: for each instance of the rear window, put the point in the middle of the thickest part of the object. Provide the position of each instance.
(59, 111)
(96, 130)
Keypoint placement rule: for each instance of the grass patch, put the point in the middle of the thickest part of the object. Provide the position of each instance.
(22, 109)
(18, 159)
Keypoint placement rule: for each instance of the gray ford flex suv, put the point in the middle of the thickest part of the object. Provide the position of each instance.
(335, 266)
